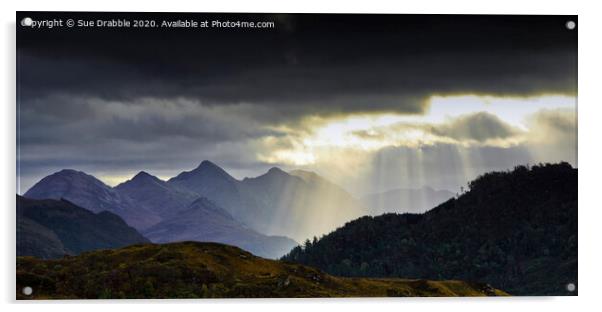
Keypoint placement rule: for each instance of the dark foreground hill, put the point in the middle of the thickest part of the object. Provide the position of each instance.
(516, 231)
(53, 228)
(206, 270)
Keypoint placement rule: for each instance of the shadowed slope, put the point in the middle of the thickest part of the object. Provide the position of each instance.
(52, 228)
(204, 221)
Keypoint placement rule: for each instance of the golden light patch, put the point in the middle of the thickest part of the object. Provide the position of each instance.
(321, 139)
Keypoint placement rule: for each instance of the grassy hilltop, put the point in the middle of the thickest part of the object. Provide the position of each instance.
(207, 270)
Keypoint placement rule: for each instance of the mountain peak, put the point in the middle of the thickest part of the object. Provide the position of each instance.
(70, 172)
(207, 164)
(204, 167)
(67, 177)
(207, 173)
(141, 178)
(276, 170)
(274, 174)
(143, 175)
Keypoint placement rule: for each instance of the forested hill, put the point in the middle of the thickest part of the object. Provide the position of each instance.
(514, 230)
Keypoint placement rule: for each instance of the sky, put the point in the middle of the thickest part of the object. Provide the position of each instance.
(371, 102)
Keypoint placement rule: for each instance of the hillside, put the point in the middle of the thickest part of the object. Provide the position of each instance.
(514, 230)
(53, 228)
(206, 270)
(206, 222)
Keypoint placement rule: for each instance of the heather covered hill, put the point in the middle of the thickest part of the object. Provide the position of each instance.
(54, 228)
(515, 230)
(207, 270)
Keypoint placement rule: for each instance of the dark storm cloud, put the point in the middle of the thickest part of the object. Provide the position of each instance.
(307, 63)
(479, 127)
(56, 118)
(123, 100)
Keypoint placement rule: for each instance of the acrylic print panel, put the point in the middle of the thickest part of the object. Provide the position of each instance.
(196, 155)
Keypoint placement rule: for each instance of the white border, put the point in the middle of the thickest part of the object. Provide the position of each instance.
(590, 176)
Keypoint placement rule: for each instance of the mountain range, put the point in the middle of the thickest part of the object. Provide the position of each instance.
(298, 204)
(275, 203)
(54, 228)
(515, 230)
(207, 204)
(88, 192)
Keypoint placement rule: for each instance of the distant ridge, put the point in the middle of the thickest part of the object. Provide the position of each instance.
(197, 179)
(275, 203)
(204, 221)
